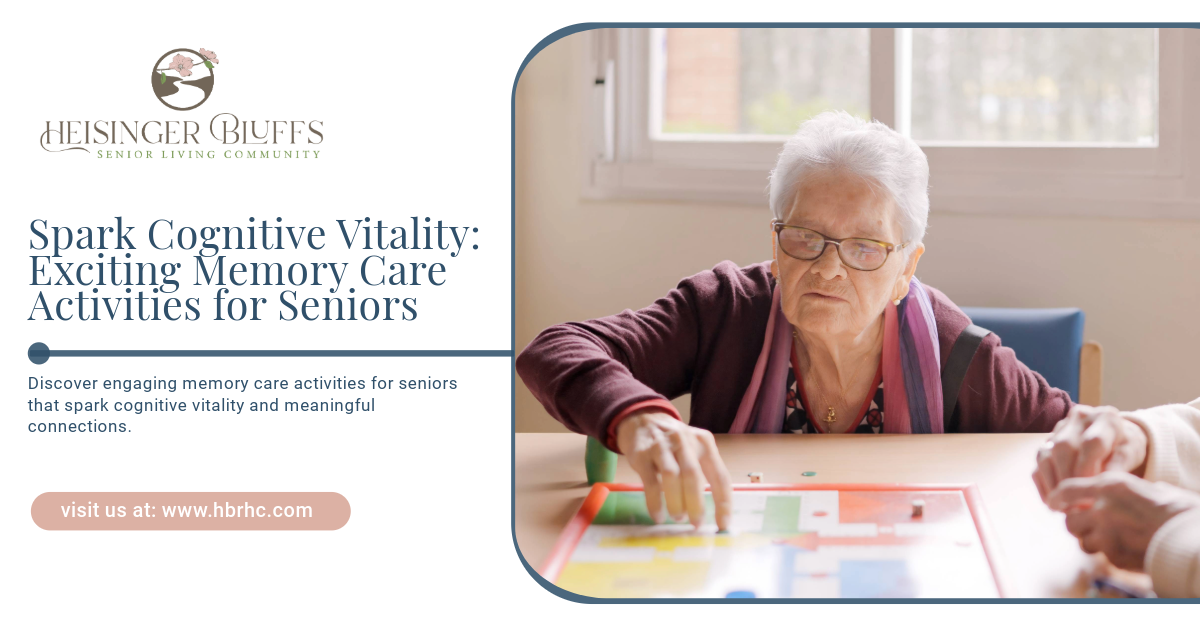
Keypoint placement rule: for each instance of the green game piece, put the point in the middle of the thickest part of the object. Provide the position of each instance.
(628, 508)
(599, 462)
(623, 508)
(809, 474)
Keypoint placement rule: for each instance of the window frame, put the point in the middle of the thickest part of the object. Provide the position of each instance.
(623, 161)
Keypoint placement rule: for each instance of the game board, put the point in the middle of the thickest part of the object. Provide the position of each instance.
(823, 541)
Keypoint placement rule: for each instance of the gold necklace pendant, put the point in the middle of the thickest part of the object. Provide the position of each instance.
(832, 416)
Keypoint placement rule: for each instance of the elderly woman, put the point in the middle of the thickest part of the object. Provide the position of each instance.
(834, 335)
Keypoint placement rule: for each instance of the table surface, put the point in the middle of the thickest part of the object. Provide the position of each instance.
(1040, 557)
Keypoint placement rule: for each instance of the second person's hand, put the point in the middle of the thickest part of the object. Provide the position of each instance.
(1086, 443)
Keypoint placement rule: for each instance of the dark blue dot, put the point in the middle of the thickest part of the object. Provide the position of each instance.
(39, 353)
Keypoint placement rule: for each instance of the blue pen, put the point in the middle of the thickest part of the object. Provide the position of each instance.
(1101, 584)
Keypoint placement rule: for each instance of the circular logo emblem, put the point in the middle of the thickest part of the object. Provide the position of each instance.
(183, 78)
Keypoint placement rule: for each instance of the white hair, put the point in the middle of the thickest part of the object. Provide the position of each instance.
(836, 140)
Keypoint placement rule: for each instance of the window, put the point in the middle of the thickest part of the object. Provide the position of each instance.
(754, 81)
(1032, 86)
(1075, 121)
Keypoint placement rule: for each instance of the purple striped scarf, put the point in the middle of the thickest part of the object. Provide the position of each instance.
(911, 371)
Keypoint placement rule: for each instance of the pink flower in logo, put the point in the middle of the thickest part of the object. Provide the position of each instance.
(182, 64)
(210, 55)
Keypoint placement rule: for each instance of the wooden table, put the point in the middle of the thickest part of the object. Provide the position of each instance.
(1042, 559)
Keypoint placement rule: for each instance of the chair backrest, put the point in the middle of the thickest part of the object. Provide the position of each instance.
(1046, 340)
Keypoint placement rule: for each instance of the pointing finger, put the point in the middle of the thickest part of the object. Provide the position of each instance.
(651, 488)
(690, 477)
(668, 472)
(718, 478)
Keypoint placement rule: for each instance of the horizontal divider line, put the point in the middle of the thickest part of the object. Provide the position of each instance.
(269, 353)
(40, 355)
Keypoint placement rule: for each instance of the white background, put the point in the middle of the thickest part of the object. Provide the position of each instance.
(416, 108)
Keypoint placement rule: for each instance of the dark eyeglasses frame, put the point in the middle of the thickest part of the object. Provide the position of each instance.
(778, 227)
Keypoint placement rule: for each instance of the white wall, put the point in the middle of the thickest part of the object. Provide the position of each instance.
(1137, 280)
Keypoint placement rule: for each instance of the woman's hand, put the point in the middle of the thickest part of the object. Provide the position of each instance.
(1086, 443)
(1118, 514)
(673, 459)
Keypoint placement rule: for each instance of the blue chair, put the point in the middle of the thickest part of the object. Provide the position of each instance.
(1049, 341)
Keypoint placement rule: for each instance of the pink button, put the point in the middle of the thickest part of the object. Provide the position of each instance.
(190, 511)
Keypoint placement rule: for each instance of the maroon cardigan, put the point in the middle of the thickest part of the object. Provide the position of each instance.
(704, 337)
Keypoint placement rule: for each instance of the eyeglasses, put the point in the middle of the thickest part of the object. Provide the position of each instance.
(857, 253)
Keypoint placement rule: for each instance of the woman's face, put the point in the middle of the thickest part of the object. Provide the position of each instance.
(824, 296)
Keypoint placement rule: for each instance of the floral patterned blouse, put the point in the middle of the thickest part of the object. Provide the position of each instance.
(797, 421)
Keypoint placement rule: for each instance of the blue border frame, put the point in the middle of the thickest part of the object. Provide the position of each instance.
(587, 26)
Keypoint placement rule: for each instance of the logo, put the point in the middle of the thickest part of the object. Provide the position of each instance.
(183, 78)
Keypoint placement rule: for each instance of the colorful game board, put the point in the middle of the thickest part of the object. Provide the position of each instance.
(822, 541)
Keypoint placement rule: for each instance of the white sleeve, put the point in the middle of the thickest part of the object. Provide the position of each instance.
(1173, 557)
(1173, 443)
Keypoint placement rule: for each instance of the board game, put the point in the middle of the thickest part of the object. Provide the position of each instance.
(785, 541)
